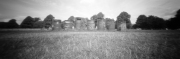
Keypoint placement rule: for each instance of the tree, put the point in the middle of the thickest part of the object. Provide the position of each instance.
(36, 19)
(174, 23)
(150, 22)
(128, 23)
(3, 25)
(12, 24)
(100, 15)
(156, 22)
(48, 21)
(38, 24)
(71, 18)
(123, 17)
(27, 22)
(97, 17)
(141, 22)
(93, 17)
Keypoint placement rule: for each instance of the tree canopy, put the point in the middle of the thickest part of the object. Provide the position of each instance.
(141, 22)
(100, 15)
(49, 18)
(71, 18)
(174, 23)
(12, 24)
(38, 23)
(97, 17)
(27, 22)
(124, 17)
(48, 21)
(150, 22)
(36, 19)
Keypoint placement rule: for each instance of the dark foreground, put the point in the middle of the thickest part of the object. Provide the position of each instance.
(35, 44)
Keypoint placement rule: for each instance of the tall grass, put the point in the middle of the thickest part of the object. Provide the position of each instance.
(90, 45)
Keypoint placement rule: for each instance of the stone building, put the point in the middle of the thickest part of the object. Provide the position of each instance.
(110, 24)
(91, 25)
(101, 24)
(122, 26)
(67, 25)
(80, 23)
(57, 25)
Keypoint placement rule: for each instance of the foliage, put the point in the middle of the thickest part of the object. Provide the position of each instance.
(48, 21)
(12, 24)
(37, 19)
(124, 17)
(94, 17)
(71, 18)
(97, 17)
(100, 15)
(151, 22)
(174, 23)
(27, 22)
(3, 24)
(141, 21)
(38, 24)
(129, 24)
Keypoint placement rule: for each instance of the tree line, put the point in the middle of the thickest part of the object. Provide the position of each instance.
(30, 22)
(150, 22)
(155, 23)
(10, 24)
(143, 22)
(123, 17)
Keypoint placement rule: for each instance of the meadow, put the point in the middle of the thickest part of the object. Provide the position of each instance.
(131, 44)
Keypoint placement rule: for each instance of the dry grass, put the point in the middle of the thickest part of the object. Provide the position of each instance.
(90, 45)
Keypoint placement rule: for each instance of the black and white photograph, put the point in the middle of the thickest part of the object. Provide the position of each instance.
(89, 29)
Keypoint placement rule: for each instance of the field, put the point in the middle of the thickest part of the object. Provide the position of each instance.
(132, 44)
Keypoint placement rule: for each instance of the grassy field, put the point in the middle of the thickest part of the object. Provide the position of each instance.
(133, 44)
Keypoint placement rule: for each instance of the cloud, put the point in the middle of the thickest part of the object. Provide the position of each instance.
(63, 9)
(87, 1)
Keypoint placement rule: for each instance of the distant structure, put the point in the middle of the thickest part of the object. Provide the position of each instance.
(57, 25)
(101, 24)
(78, 24)
(97, 22)
(123, 26)
(48, 22)
(91, 25)
(110, 24)
(81, 24)
(68, 25)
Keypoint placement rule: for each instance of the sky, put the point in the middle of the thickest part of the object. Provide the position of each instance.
(63, 9)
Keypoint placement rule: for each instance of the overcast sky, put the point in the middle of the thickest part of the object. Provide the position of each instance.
(63, 9)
